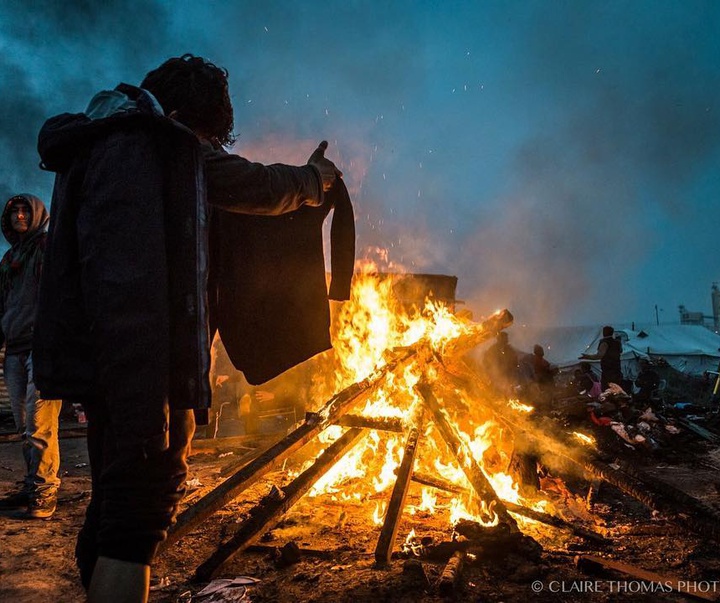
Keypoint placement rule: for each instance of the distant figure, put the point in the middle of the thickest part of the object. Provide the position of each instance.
(501, 363)
(647, 382)
(543, 371)
(586, 382)
(608, 353)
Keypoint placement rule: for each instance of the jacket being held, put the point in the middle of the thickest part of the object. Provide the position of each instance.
(20, 270)
(268, 290)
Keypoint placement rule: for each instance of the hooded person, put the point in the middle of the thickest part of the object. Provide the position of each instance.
(122, 324)
(24, 224)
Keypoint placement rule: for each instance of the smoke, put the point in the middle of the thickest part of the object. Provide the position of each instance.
(553, 158)
(633, 124)
(55, 56)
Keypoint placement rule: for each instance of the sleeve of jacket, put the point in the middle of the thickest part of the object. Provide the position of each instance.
(242, 186)
(342, 242)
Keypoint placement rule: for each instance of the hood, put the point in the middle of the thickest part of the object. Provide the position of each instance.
(64, 136)
(38, 217)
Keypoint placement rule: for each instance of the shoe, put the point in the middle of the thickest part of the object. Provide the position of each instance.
(15, 500)
(39, 507)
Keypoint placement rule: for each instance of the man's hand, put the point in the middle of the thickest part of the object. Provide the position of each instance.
(264, 396)
(327, 168)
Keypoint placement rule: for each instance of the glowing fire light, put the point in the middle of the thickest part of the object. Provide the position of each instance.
(585, 439)
(369, 325)
(519, 406)
(379, 513)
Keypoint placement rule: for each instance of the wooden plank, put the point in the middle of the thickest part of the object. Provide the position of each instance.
(711, 437)
(383, 550)
(555, 522)
(478, 333)
(437, 482)
(274, 456)
(447, 584)
(382, 424)
(270, 510)
(468, 464)
(591, 563)
(544, 518)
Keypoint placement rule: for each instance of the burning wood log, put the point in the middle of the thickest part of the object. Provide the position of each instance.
(478, 333)
(276, 454)
(381, 424)
(545, 518)
(555, 522)
(451, 574)
(524, 467)
(472, 471)
(437, 482)
(269, 511)
(383, 550)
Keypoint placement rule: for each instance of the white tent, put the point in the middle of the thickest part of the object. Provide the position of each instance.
(690, 349)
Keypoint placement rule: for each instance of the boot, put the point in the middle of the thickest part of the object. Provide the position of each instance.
(40, 506)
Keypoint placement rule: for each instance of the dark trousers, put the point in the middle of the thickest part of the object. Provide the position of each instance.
(134, 495)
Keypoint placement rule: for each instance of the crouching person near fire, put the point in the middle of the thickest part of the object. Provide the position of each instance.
(122, 319)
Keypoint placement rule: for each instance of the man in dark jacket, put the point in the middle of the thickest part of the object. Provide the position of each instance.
(608, 353)
(122, 323)
(24, 224)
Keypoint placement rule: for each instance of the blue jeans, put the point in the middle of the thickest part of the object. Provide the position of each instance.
(37, 420)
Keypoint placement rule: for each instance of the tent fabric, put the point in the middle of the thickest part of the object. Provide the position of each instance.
(690, 349)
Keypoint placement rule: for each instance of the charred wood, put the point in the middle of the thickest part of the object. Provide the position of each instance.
(269, 511)
(383, 550)
(414, 572)
(437, 483)
(276, 454)
(706, 434)
(447, 584)
(500, 539)
(384, 424)
(662, 497)
(472, 471)
(592, 564)
(524, 467)
(556, 522)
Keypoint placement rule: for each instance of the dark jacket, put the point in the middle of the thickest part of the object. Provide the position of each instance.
(123, 300)
(20, 270)
(268, 289)
(610, 367)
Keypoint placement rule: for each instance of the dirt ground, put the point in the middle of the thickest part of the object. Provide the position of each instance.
(336, 543)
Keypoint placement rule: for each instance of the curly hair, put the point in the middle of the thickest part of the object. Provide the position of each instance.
(197, 90)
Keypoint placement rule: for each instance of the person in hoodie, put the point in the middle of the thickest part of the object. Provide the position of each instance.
(122, 323)
(24, 224)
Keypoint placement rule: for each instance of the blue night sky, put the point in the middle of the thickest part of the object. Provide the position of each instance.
(561, 157)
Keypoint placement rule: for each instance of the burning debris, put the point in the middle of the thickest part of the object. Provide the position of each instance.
(410, 409)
